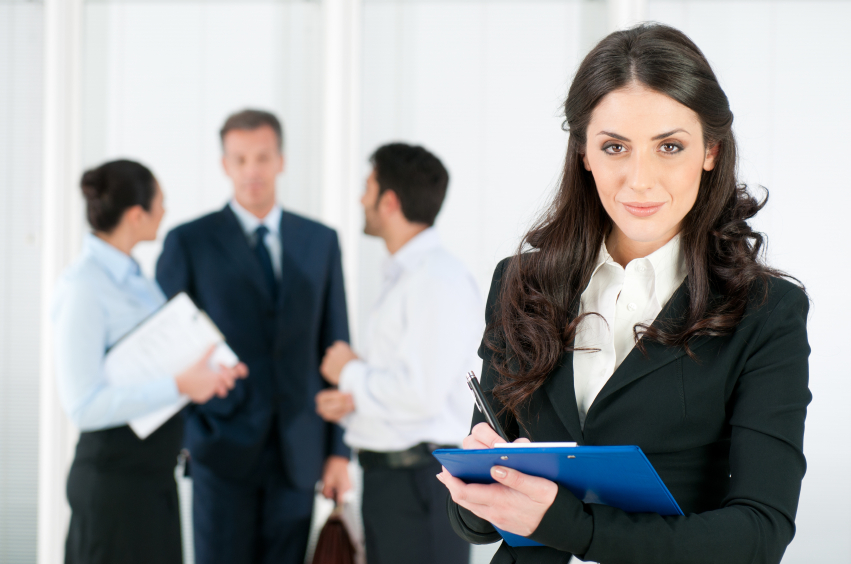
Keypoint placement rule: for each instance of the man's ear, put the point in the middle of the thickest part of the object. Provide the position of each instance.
(283, 166)
(390, 201)
(711, 156)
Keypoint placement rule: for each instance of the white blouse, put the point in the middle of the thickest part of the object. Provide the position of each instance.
(623, 298)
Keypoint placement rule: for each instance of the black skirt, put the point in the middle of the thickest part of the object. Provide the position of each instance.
(123, 497)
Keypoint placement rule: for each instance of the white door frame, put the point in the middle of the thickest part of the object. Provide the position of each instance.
(62, 228)
(341, 134)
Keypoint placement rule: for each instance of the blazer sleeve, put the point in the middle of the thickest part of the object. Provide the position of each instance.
(755, 522)
(174, 274)
(466, 524)
(335, 327)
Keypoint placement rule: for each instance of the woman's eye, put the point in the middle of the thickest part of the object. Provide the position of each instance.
(614, 149)
(670, 148)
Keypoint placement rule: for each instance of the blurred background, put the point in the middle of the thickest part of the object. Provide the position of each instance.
(479, 82)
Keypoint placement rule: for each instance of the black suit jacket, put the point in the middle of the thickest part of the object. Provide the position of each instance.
(282, 341)
(724, 431)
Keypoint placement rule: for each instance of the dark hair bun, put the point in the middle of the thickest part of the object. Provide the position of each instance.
(93, 186)
(114, 187)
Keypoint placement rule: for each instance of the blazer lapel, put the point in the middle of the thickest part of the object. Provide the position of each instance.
(294, 255)
(636, 364)
(233, 241)
(562, 395)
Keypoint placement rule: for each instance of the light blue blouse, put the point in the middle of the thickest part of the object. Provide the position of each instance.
(98, 299)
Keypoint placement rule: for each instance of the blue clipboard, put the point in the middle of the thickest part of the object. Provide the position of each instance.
(618, 476)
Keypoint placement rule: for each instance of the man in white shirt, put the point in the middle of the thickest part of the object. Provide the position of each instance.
(404, 395)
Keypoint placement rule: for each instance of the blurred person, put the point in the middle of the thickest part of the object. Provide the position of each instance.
(273, 283)
(643, 314)
(405, 395)
(121, 489)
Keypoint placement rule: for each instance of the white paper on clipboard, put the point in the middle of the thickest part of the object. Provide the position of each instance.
(168, 342)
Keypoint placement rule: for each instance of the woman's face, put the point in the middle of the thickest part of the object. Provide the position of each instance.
(646, 153)
(150, 220)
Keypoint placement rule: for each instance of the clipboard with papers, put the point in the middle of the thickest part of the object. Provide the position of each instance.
(166, 343)
(618, 476)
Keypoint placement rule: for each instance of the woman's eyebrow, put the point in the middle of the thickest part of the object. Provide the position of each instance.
(660, 136)
(669, 133)
(615, 135)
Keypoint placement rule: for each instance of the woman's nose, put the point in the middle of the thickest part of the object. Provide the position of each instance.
(641, 174)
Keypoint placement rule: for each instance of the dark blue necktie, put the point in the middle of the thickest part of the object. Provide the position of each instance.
(265, 259)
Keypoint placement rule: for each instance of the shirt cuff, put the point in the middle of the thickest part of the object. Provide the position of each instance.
(565, 526)
(353, 377)
(163, 391)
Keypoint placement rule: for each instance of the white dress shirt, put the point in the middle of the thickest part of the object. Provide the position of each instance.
(422, 338)
(624, 297)
(99, 299)
(272, 221)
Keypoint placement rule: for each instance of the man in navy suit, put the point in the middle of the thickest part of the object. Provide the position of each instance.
(273, 283)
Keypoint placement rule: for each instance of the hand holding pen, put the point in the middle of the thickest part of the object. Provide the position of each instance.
(528, 497)
(485, 408)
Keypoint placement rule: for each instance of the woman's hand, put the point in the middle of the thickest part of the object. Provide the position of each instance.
(516, 503)
(200, 382)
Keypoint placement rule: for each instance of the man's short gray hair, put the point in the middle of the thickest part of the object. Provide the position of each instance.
(253, 119)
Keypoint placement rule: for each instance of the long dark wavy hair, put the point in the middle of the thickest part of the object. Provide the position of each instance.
(536, 320)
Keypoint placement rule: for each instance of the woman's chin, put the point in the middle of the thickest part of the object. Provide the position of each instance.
(646, 232)
(643, 231)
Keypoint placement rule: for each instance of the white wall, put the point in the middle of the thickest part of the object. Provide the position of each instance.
(160, 79)
(20, 222)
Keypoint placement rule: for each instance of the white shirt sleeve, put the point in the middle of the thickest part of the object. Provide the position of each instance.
(440, 335)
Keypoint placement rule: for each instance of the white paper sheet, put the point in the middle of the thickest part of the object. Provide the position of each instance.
(168, 342)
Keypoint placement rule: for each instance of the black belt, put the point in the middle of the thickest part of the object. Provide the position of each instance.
(414, 457)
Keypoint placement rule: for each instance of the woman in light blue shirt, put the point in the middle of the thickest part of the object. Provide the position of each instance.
(121, 489)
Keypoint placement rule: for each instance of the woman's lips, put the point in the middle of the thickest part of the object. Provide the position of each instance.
(643, 209)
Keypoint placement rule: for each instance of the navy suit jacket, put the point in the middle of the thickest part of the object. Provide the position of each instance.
(281, 341)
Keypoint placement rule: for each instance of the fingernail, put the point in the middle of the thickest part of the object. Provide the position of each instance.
(438, 476)
(499, 472)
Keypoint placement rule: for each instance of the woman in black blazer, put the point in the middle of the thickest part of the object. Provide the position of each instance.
(712, 387)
